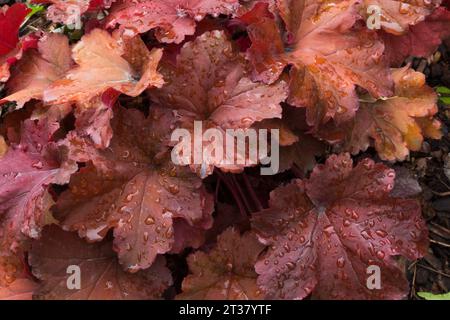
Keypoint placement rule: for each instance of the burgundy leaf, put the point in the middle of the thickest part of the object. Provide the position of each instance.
(396, 125)
(131, 187)
(209, 83)
(171, 19)
(421, 40)
(26, 171)
(226, 272)
(326, 231)
(102, 278)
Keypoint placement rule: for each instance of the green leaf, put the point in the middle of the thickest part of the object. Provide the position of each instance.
(35, 8)
(445, 100)
(431, 296)
(443, 90)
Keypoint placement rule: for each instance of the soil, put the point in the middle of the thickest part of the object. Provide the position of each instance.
(432, 168)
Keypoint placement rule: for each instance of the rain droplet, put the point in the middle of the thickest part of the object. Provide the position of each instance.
(109, 285)
(37, 165)
(380, 254)
(381, 233)
(366, 234)
(329, 230)
(340, 262)
(290, 265)
(149, 220)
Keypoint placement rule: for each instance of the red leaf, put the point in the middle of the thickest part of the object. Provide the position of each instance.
(267, 49)
(422, 39)
(93, 121)
(106, 62)
(209, 83)
(21, 289)
(171, 19)
(396, 125)
(186, 236)
(398, 15)
(248, 6)
(344, 55)
(99, 4)
(10, 20)
(326, 231)
(6, 61)
(132, 188)
(101, 275)
(332, 53)
(70, 11)
(258, 11)
(26, 171)
(38, 69)
(226, 272)
(287, 137)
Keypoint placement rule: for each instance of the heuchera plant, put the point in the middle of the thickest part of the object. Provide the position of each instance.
(86, 173)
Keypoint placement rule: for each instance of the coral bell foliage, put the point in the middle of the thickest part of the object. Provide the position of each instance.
(86, 173)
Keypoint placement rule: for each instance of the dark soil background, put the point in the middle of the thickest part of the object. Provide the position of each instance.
(432, 168)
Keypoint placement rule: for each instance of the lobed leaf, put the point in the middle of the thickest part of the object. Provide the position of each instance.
(395, 125)
(26, 171)
(324, 232)
(131, 187)
(38, 69)
(226, 272)
(172, 20)
(105, 62)
(101, 277)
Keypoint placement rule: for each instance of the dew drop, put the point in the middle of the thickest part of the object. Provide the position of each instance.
(173, 189)
(149, 220)
(381, 233)
(290, 265)
(109, 285)
(329, 230)
(340, 262)
(37, 165)
(380, 254)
